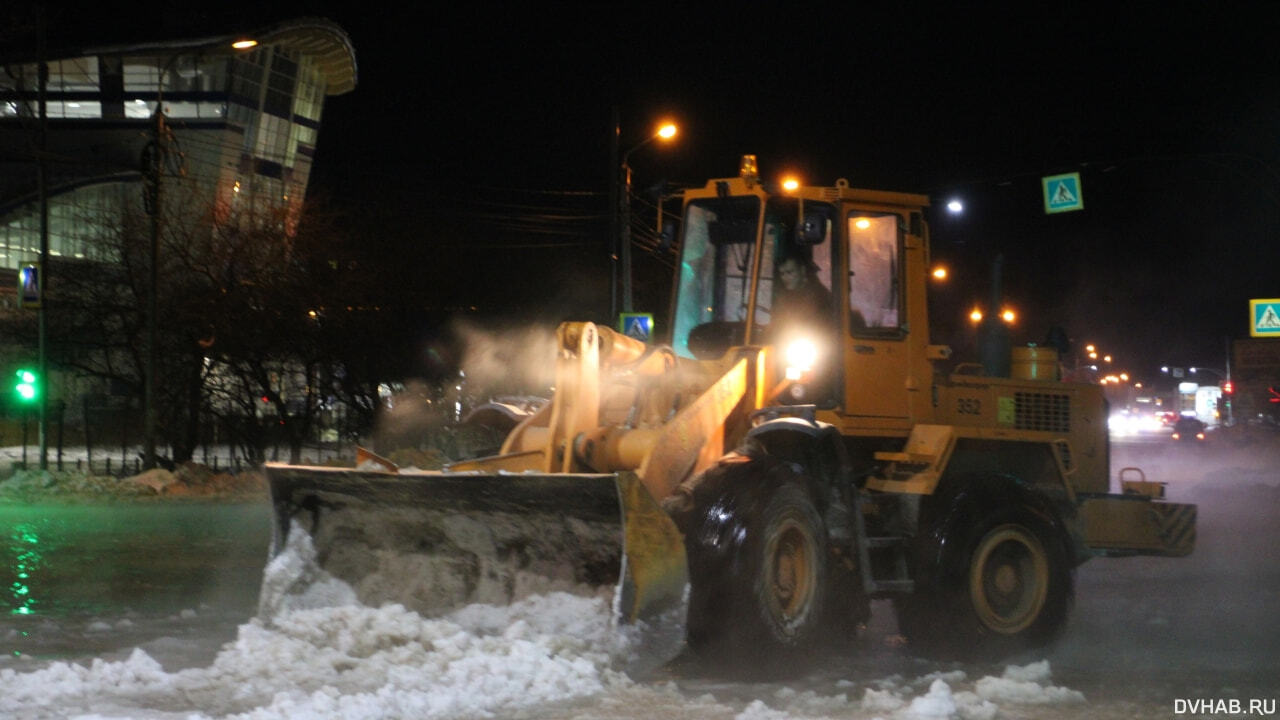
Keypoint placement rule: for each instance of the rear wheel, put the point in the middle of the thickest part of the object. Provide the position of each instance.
(1009, 579)
(1006, 588)
(758, 564)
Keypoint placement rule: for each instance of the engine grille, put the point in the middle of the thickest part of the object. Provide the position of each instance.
(1048, 412)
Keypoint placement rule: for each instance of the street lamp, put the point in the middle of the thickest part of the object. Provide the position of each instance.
(1219, 373)
(1007, 315)
(622, 207)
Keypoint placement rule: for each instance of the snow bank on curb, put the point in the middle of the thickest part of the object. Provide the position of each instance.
(190, 481)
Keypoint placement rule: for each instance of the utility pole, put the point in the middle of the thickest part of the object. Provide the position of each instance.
(622, 195)
(626, 238)
(42, 188)
(1230, 419)
(155, 168)
(993, 341)
(155, 155)
(614, 211)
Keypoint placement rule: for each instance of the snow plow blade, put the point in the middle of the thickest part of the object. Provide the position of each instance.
(436, 541)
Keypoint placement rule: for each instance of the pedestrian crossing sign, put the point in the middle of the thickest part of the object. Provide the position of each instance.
(638, 326)
(29, 295)
(1264, 318)
(1062, 193)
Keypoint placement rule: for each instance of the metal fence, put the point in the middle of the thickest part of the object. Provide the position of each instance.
(127, 461)
(121, 467)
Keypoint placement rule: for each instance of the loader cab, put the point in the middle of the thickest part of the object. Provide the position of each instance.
(757, 269)
(863, 254)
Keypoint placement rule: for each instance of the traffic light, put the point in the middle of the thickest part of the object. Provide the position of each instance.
(28, 386)
(1228, 388)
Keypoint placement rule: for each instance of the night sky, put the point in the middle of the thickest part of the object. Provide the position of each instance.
(477, 146)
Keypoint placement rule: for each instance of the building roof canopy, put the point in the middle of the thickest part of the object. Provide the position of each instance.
(322, 39)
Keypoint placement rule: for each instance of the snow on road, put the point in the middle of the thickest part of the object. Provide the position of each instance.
(323, 656)
(542, 657)
(1147, 634)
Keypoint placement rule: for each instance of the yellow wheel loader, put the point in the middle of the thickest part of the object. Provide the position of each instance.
(750, 485)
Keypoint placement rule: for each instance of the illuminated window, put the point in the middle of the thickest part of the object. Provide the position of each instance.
(873, 271)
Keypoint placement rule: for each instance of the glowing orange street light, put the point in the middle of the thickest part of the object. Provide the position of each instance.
(940, 273)
(620, 193)
(244, 44)
(790, 184)
(1007, 315)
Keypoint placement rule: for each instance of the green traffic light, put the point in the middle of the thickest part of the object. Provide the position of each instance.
(27, 388)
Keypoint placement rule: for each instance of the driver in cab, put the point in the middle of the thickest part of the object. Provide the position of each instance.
(802, 325)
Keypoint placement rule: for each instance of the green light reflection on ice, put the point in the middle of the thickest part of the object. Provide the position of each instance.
(23, 542)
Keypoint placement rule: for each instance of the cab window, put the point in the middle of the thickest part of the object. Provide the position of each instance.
(874, 292)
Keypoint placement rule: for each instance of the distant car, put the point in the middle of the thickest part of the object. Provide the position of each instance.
(1188, 429)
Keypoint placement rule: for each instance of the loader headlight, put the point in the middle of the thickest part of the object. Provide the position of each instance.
(800, 355)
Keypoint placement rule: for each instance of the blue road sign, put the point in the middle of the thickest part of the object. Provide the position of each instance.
(29, 286)
(636, 325)
(1264, 317)
(1062, 193)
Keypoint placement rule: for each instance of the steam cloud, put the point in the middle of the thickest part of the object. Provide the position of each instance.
(518, 361)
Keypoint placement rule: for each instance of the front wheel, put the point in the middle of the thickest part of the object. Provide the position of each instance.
(758, 568)
(790, 568)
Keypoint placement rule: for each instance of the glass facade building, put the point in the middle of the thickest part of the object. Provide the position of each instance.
(242, 130)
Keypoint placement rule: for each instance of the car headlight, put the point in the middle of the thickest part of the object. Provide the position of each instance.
(800, 355)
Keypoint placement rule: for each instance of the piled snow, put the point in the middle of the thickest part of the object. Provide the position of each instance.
(189, 480)
(937, 695)
(156, 478)
(318, 654)
(1027, 686)
(357, 662)
(293, 580)
(321, 655)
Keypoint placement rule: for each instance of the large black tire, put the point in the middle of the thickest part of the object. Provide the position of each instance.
(758, 568)
(1001, 586)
